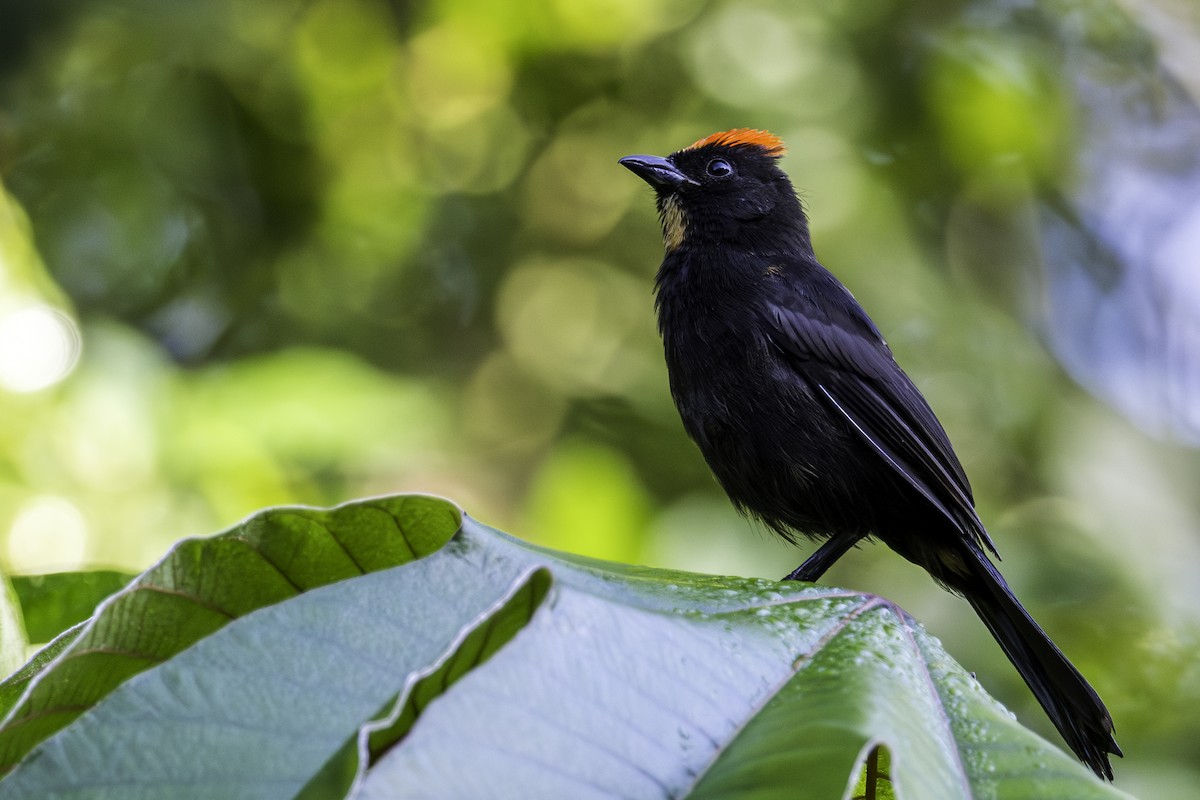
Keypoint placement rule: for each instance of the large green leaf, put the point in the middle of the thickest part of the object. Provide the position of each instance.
(490, 668)
(53, 603)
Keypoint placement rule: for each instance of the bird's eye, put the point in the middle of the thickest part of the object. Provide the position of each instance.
(719, 168)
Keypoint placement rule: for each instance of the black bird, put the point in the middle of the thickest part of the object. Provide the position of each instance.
(804, 416)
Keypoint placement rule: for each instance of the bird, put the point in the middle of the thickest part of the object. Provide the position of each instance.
(804, 416)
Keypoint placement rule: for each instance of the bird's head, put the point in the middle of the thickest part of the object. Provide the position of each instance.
(725, 188)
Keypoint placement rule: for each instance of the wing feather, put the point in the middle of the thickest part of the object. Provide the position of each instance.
(838, 349)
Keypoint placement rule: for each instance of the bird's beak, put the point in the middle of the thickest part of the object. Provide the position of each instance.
(658, 172)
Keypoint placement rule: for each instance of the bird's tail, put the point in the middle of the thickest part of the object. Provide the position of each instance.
(1069, 700)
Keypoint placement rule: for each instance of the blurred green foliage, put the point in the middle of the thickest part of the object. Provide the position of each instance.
(299, 252)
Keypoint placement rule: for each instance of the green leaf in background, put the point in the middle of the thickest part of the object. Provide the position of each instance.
(52, 603)
(875, 783)
(505, 670)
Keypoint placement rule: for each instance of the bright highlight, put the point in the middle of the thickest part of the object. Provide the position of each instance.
(38, 348)
(47, 534)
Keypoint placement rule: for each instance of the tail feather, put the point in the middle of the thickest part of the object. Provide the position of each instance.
(1067, 698)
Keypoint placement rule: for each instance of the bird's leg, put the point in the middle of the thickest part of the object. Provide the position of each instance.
(833, 549)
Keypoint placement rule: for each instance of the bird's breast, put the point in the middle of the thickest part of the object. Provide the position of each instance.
(753, 414)
(725, 374)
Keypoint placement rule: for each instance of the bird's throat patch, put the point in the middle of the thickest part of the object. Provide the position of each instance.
(674, 221)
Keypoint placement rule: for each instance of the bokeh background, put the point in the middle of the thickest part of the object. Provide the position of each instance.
(302, 252)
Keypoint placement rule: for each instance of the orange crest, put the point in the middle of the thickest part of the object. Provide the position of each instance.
(771, 144)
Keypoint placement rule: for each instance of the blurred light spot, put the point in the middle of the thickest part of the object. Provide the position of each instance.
(575, 325)
(575, 191)
(47, 534)
(480, 156)
(107, 429)
(455, 74)
(744, 49)
(587, 499)
(38, 348)
(603, 23)
(756, 58)
(505, 407)
(346, 45)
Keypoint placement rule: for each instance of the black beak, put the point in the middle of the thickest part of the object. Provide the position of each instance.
(658, 172)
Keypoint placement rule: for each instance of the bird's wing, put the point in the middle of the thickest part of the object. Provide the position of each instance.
(833, 344)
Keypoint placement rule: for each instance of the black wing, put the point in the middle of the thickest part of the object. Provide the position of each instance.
(836, 347)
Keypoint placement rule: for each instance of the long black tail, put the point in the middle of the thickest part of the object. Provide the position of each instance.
(1070, 702)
